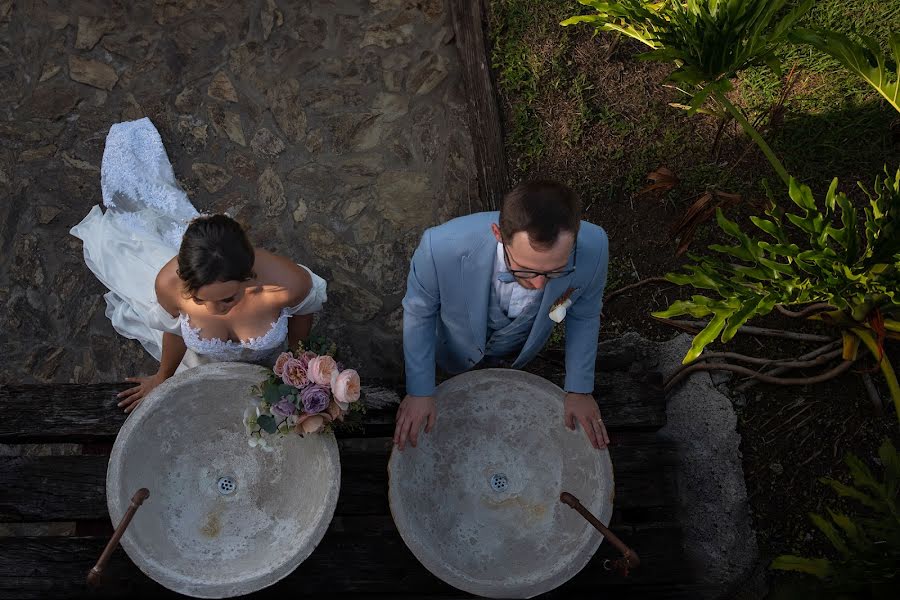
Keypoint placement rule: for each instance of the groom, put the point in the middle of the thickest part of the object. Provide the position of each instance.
(485, 289)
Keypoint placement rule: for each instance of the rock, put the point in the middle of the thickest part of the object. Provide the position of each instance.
(242, 165)
(48, 72)
(356, 303)
(270, 192)
(284, 99)
(52, 101)
(394, 67)
(38, 153)
(427, 123)
(227, 124)
(136, 46)
(353, 207)
(46, 214)
(5, 10)
(27, 267)
(77, 163)
(387, 35)
(270, 17)
(58, 21)
(403, 198)
(213, 177)
(133, 110)
(300, 211)
(314, 141)
(387, 268)
(243, 61)
(166, 11)
(221, 88)
(187, 100)
(192, 132)
(326, 245)
(90, 30)
(310, 33)
(100, 98)
(427, 74)
(366, 229)
(391, 106)
(355, 132)
(92, 72)
(266, 143)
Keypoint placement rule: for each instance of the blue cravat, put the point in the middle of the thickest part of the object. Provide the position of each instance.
(505, 277)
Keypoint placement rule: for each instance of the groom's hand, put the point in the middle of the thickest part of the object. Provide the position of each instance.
(413, 411)
(583, 409)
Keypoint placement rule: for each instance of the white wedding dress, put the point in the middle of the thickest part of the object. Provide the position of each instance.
(126, 245)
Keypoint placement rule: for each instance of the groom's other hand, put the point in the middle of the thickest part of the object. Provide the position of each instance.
(583, 409)
(413, 411)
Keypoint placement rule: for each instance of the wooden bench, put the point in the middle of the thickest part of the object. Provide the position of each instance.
(361, 555)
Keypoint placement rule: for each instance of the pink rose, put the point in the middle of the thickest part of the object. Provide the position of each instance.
(306, 357)
(320, 369)
(293, 373)
(311, 424)
(279, 363)
(345, 386)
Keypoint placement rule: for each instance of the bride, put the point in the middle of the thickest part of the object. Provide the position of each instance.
(189, 287)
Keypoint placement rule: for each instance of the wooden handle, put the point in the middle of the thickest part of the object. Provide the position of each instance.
(628, 555)
(93, 577)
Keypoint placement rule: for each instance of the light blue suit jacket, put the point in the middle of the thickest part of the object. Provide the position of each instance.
(445, 310)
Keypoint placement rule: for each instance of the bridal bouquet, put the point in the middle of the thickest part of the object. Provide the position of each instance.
(304, 393)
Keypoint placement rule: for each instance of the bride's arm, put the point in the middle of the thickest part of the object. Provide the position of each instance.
(173, 347)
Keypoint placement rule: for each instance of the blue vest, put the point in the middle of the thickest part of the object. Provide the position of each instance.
(506, 336)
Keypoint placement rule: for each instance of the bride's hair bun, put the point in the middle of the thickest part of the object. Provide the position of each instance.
(214, 248)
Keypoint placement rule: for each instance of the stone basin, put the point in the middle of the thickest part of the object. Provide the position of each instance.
(222, 519)
(477, 501)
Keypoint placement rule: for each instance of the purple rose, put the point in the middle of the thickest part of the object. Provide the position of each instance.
(315, 398)
(284, 407)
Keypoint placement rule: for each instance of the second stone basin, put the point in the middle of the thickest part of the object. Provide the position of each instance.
(477, 501)
(222, 519)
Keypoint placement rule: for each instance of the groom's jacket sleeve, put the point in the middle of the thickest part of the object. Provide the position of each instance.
(421, 306)
(583, 327)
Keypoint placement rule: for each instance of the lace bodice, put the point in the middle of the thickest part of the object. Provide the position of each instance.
(260, 349)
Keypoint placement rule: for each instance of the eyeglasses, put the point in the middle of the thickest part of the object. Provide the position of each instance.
(525, 274)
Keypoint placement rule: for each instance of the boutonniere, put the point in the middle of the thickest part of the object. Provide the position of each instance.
(562, 304)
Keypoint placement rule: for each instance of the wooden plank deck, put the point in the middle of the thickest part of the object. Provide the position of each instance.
(362, 553)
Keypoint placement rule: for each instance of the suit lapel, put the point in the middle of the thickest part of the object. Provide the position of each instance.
(476, 271)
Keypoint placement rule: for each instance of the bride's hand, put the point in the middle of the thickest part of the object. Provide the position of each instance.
(132, 397)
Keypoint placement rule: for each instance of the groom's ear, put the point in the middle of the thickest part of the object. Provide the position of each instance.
(496, 229)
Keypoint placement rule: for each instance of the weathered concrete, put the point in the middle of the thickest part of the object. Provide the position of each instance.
(714, 512)
(188, 536)
(518, 541)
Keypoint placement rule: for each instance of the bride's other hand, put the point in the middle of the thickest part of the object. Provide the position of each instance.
(132, 397)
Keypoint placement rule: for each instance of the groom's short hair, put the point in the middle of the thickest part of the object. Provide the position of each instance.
(543, 209)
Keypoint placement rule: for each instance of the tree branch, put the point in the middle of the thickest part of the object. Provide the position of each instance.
(695, 327)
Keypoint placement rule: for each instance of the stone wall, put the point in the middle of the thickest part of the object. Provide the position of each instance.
(335, 131)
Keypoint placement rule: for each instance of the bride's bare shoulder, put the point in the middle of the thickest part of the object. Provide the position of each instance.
(291, 281)
(168, 287)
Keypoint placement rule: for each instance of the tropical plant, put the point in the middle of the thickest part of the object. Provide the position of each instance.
(868, 546)
(709, 41)
(864, 59)
(806, 258)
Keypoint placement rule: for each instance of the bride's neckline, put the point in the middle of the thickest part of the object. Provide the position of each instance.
(253, 341)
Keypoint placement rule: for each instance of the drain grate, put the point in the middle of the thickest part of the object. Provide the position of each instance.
(225, 485)
(499, 482)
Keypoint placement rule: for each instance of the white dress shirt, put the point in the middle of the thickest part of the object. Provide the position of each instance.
(513, 297)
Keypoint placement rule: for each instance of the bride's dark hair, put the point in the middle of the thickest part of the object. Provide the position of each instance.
(214, 248)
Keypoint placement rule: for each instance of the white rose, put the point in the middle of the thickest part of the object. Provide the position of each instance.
(558, 314)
